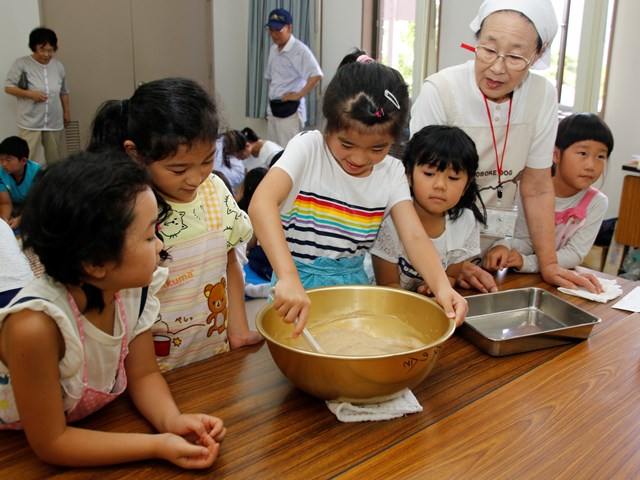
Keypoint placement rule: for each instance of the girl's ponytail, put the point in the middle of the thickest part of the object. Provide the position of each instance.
(109, 126)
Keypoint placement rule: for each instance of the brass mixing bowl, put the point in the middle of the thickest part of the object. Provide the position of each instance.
(342, 377)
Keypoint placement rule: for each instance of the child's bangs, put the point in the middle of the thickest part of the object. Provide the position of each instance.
(346, 123)
(441, 161)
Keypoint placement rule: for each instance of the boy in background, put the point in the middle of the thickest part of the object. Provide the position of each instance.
(16, 177)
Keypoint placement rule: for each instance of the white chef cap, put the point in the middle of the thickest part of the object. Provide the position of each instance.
(540, 12)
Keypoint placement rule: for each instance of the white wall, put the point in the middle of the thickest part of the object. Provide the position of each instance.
(341, 33)
(18, 18)
(622, 111)
(455, 17)
(230, 63)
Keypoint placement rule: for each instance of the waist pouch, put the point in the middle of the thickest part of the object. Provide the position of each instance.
(283, 109)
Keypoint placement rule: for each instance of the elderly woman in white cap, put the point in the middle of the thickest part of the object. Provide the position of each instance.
(512, 116)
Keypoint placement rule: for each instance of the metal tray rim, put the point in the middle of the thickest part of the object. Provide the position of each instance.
(491, 344)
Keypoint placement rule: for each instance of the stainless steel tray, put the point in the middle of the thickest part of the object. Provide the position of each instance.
(520, 320)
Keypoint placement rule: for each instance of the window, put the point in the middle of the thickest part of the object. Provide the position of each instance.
(579, 54)
(401, 29)
(397, 28)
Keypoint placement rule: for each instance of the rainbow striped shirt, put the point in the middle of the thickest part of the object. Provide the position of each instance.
(328, 212)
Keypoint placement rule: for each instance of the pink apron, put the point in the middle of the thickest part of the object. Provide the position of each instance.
(569, 221)
(194, 309)
(92, 399)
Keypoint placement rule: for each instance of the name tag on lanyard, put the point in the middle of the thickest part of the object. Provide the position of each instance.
(501, 221)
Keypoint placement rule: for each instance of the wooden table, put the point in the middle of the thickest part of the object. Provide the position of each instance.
(563, 412)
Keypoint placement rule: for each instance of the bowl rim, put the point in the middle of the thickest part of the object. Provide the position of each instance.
(443, 338)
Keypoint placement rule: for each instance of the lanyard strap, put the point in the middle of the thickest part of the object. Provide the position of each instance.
(499, 161)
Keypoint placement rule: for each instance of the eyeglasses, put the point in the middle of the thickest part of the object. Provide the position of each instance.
(513, 62)
(45, 51)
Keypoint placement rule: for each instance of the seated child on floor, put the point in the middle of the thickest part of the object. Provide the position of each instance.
(583, 146)
(232, 150)
(262, 151)
(251, 253)
(16, 176)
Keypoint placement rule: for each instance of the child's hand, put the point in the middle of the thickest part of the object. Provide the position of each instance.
(515, 260)
(496, 258)
(454, 305)
(184, 454)
(15, 222)
(423, 289)
(291, 302)
(194, 427)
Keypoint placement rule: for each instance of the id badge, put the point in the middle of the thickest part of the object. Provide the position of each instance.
(501, 221)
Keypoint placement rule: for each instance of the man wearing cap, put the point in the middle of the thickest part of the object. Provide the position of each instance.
(292, 72)
(512, 116)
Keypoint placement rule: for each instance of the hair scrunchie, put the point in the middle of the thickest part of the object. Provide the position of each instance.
(364, 58)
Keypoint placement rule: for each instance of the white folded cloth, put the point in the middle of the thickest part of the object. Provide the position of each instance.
(611, 290)
(379, 408)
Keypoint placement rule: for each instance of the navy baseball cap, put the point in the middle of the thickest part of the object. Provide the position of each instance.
(278, 18)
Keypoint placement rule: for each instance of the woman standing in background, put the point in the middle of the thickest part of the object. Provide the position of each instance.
(39, 82)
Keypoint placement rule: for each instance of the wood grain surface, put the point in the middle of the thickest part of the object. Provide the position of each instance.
(483, 416)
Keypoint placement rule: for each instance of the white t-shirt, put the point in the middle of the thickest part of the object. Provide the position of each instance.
(15, 271)
(268, 150)
(459, 241)
(329, 213)
(289, 69)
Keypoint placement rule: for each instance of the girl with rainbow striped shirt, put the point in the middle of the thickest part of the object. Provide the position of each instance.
(319, 209)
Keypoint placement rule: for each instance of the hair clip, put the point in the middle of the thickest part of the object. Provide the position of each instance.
(364, 58)
(391, 97)
(380, 113)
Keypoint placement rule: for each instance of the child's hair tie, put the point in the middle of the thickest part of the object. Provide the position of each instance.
(391, 97)
(364, 58)
(380, 113)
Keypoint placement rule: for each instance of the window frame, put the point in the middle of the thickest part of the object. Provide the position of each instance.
(592, 69)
